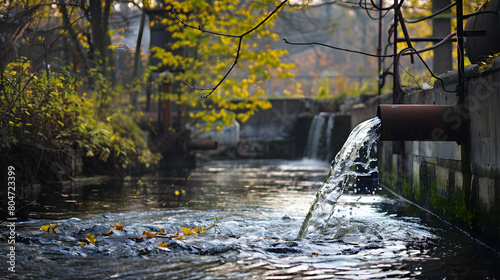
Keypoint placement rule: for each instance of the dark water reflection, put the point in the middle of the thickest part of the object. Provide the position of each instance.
(260, 206)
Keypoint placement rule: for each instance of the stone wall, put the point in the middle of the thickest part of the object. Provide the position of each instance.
(431, 173)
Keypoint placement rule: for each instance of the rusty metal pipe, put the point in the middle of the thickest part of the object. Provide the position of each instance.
(202, 145)
(420, 123)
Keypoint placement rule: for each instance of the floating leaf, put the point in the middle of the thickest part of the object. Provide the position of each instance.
(48, 227)
(119, 226)
(180, 238)
(163, 246)
(211, 226)
(82, 243)
(149, 234)
(91, 238)
(188, 231)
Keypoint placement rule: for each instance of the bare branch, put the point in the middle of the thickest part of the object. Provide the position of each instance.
(204, 30)
(338, 48)
(240, 40)
(410, 52)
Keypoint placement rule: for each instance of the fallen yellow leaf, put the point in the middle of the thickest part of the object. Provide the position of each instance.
(48, 227)
(82, 243)
(180, 237)
(163, 244)
(149, 234)
(119, 226)
(91, 238)
(188, 231)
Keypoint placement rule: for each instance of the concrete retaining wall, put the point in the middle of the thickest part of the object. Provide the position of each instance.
(431, 173)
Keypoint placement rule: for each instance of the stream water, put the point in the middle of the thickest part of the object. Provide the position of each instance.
(259, 207)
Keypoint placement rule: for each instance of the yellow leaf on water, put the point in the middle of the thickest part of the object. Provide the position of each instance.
(91, 238)
(119, 226)
(149, 234)
(82, 243)
(48, 227)
(188, 231)
(180, 238)
(163, 246)
(210, 226)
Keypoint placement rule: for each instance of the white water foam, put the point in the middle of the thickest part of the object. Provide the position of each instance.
(358, 145)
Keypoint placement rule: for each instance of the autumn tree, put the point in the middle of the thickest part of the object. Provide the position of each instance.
(206, 46)
(58, 99)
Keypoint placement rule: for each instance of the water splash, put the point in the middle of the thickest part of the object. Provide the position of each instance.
(358, 145)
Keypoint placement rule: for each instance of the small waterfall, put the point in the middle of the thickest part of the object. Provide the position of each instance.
(327, 133)
(358, 146)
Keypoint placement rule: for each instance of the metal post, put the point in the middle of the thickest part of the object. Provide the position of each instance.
(379, 47)
(463, 105)
(460, 53)
(395, 85)
(441, 27)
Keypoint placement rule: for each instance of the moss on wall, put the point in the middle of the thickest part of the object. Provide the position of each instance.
(453, 206)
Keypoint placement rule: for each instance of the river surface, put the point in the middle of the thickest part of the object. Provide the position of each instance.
(250, 212)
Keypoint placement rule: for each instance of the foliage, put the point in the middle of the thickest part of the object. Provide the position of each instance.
(210, 56)
(343, 88)
(44, 110)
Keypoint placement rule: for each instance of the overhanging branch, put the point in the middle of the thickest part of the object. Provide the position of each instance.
(240, 39)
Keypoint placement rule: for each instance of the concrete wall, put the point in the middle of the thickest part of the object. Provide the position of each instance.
(280, 132)
(431, 173)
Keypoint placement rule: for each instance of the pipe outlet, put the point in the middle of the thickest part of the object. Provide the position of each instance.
(202, 145)
(420, 123)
